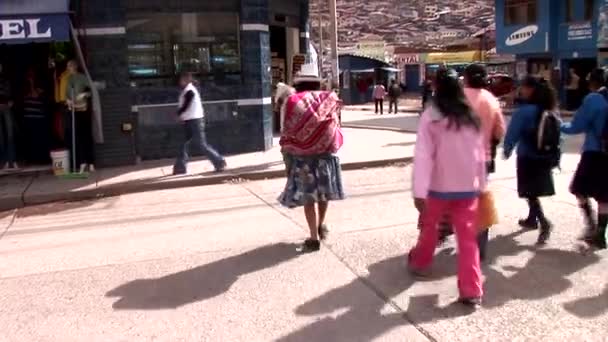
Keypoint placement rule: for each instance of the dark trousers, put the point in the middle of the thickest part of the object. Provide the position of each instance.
(37, 140)
(379, 104)
(7, 137)
(83, 137)
(194, 130)
(393, 102)
(573, 99)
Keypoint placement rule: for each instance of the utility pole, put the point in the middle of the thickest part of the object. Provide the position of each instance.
(335, 68)
(321, 44)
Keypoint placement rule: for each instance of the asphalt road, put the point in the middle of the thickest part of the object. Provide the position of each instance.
(218, 263)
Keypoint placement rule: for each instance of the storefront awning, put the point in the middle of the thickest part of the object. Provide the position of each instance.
(362, 71)
(390, 69)
(33, 21)
(453, 57)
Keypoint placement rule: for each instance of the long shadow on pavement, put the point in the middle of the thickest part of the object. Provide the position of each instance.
(589, 307)
(363, 321)
(388, 279)
(200, 283)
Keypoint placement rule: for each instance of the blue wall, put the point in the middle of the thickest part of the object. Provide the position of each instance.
(551, 34)
(352, 95)
(232, 127)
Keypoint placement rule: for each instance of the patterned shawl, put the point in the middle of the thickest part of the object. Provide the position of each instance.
(311, 124)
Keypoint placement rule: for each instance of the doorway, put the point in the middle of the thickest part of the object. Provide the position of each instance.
(574, 76)
(29, 70)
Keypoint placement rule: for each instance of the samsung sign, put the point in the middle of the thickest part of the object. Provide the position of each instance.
(522, 35)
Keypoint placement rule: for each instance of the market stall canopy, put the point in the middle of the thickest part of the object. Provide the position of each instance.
(453, 57)
(34, 21)
(362, 71)
(390, 69)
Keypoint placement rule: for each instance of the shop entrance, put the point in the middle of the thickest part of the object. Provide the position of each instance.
(30, 70)
(575, 85)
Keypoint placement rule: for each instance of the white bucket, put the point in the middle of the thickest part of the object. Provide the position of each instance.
(61, 162)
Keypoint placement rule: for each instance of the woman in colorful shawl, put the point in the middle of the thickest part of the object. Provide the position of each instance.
(309, 140)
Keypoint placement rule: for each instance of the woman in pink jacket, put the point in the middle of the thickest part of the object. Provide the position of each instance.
(449, 175)
(487, 107)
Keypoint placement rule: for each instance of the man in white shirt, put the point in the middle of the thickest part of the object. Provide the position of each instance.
(192, 116)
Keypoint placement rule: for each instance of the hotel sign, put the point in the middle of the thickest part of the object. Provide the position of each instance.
(34, 29)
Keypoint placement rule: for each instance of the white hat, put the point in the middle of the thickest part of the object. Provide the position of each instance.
(308, 73)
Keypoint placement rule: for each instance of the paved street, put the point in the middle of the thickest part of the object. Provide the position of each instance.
(218, 263)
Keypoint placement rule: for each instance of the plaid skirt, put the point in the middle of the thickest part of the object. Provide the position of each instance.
(312, 179)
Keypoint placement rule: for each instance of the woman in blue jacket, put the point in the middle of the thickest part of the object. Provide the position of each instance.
(590, 179)
(534, 172)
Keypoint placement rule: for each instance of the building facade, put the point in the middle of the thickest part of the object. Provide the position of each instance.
(135, 49)
(550, 38)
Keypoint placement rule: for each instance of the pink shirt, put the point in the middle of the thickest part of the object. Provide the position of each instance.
(379, 92)
(487, 107)
(449, 163)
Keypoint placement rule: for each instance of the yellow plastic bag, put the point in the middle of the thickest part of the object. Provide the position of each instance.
(488, 215)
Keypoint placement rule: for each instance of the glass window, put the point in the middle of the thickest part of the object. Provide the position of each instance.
(570, 17)
(520, 12)
(589, 6)
(161, 45)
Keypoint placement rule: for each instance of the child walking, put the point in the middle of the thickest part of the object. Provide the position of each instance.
(449, 175)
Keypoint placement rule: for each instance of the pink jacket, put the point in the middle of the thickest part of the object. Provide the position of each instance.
(487, 107)
(379, 92)
(449, 163)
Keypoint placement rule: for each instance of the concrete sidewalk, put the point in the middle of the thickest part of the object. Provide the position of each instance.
(362, 149)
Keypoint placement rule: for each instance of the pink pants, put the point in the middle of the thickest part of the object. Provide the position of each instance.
(463, 215)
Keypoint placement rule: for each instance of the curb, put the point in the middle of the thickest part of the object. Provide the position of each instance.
(378, 128)
(17, 202)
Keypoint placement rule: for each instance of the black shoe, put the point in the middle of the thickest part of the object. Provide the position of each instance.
(474, 303)
(528, 224)
(545, 233)
(323, 232)
(221, 167)
(310, 246)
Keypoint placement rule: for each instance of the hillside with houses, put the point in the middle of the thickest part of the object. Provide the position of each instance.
(409, 23)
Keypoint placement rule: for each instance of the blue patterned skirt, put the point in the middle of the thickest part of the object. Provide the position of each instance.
(312, 179)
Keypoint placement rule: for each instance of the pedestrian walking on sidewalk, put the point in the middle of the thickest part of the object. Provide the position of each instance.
(591, 177)
(535, 163)
(427, 92)
(283, 92)
(192, 116)
(379, 95)
(310, 138)
(7, 124)
(487, 107)
(449, 175)
(394, 92)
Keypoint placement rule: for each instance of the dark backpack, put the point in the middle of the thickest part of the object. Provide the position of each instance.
(548, 138)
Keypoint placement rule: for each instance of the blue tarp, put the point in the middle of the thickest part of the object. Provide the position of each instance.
(32, 21)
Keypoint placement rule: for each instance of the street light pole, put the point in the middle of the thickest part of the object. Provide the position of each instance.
(321, 44)
(335, 69)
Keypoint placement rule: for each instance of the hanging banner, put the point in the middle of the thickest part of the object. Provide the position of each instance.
(373, 49)
(581, 31)
(296, 64)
